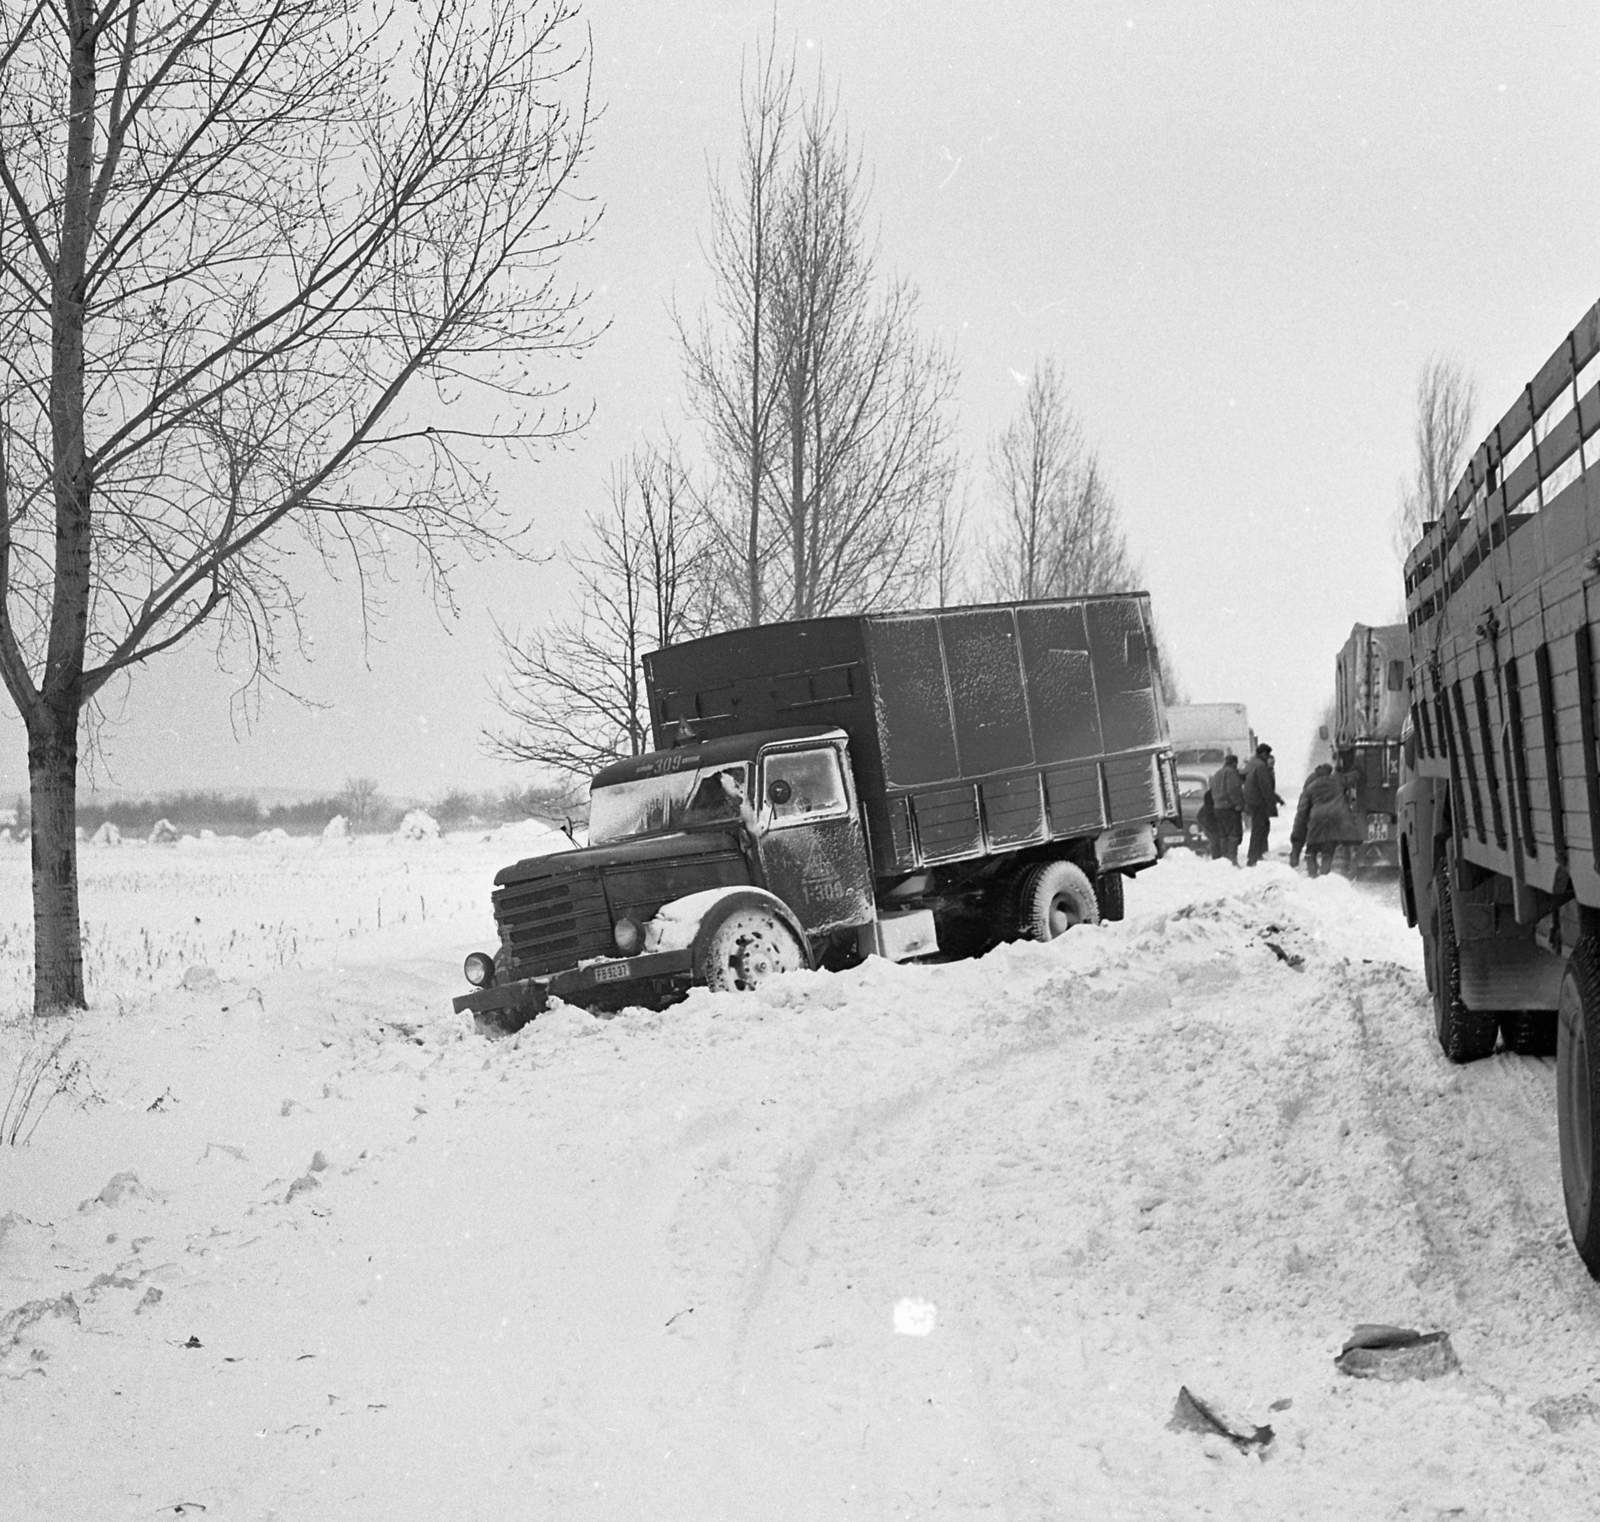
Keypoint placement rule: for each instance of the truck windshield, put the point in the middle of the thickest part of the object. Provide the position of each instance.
(649, 805)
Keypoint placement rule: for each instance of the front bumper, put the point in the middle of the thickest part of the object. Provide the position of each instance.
(509, 1006)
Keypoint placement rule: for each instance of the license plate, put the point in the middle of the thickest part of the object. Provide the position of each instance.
(1379, 828)
(611, 972)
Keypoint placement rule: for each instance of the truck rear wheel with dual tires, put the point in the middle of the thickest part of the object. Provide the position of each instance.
(1465, 1035)
(1053, 897)
(750, 947)
(1578, 1097)
(1108, 893)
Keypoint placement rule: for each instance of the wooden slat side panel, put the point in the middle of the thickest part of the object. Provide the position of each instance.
(1013, 810)
(1518, 740)
(1463, 747)
(1583, 656)
(1074, 800)
(1485, 739)
(1551, 752)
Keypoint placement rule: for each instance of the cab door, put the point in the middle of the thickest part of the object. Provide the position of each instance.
(809, 836)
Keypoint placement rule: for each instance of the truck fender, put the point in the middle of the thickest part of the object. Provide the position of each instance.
(689, 921)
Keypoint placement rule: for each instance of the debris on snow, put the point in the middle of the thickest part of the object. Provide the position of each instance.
(1192, 1414)
(1376, 1351)
(1561, 1413)
(119, 1188)
(301, 1185)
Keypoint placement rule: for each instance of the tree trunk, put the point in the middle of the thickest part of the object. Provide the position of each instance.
(53, 788)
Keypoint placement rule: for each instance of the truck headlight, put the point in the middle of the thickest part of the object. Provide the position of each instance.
(479, 968)
(628, 936)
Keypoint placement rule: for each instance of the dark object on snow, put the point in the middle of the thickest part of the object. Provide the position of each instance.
(1375, 1351)
(1191, 1414)
(1289, 958)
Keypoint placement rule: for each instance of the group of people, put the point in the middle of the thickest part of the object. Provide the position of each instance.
(1323, 822)
(1233, 796)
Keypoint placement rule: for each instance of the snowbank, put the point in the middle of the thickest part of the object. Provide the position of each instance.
(418, 825)
(921, 1240)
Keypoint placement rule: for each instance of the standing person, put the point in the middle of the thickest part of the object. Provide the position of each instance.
(1227, 802)
(1261, 800)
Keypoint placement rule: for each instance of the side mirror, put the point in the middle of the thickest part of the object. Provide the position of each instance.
(779, 792)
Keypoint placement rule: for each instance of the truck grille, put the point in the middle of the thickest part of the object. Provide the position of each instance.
(550, 923)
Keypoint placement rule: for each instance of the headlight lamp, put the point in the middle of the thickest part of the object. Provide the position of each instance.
(628, 936)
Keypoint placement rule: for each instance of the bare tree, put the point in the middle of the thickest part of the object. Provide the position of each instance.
(1059, 531)
(832, 468)
(734, 366)
(950, 581)
(575, 696)
(270, 271)
(1167, 679)
(1447, 397)
(357, 798)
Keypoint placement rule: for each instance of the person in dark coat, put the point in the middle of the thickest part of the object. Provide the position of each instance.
(1261, 800)
(1227, 801)
(1323, 823)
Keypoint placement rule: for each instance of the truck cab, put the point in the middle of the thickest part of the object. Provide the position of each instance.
(767, 821)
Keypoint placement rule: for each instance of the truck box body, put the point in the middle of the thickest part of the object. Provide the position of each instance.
(1371, 697)
(1203, 733)
(1369, 684)
(973, 731)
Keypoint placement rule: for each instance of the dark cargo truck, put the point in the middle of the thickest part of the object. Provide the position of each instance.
(890, 784)
(1371, 695)
(1500, 805)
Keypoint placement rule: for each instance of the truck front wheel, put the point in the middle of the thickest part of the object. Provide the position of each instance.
(1464, 1034)
(750, 947)
(1053, 897)
(1577, 1094)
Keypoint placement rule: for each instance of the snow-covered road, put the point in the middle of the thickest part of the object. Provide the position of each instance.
(653, 1266)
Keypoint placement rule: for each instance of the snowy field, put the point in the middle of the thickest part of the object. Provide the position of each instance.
(291, 1242)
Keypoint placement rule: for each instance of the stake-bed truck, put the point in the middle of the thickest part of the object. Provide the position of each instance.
(1500, 810)
(890, 784)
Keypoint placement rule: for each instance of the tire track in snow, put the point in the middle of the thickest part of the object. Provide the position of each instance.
(1475, 1147)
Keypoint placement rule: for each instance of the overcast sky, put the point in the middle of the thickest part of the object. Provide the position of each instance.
(1240, 229)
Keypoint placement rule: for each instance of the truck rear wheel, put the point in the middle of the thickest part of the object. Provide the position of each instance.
(1053, 897)
(1464, 1035)
(750, 947)
(1577, 1097)
(1108, 894)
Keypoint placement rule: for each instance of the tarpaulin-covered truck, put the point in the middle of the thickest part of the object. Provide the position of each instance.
(1370, 700)
(1500, 807)
(894, 783)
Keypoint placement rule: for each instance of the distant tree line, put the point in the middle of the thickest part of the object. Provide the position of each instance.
(822, 474)
(242, 814)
